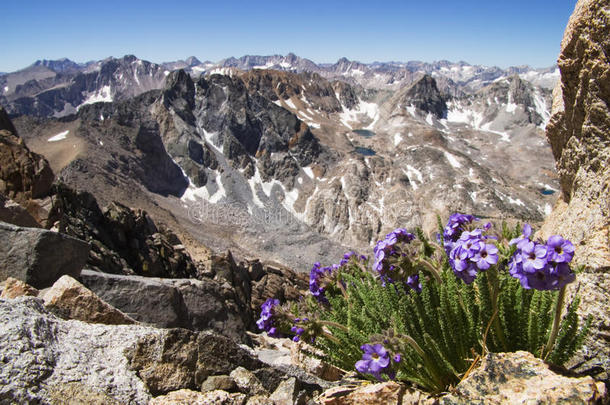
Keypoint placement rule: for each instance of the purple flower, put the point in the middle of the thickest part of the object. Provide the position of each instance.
(486, 256)
(374, 360)
(397, 358)
(542, 266)
(392, 259)
(468, 251)
(523, 238)
(533, 255)
(265, 322)
(560, 250)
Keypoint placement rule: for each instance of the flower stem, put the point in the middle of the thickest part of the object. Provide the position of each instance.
(556, 321)
(432, 270)
(494, 286)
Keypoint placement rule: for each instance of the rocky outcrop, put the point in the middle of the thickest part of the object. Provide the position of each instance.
(579, 134)
(530, 382)
(69, 299)
(13, 288)
(170, 303)
(425, 96)
(44, 357)
(39, 257)
(15, 214)
(123, 241)
(220, 112)
(23, 174)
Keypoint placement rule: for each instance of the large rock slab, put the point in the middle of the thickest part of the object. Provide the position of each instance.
(520, 378)
(41, 356)
(185, 303)
(579, 134)
(39, 257)
(70, 299)
(15, 214)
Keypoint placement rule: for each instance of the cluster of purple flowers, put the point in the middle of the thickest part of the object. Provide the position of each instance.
(469, 251)
(265, 322)
(319, 273)
(297, 329)
(375, 360)
(393, 261)
(541, 266)
(455, 226)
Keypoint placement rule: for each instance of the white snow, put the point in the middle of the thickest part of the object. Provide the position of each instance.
(504, 136)
(167, 72)
(192, 193)
(290, 104)
(101, 143)
(397, 139)
(101, 117)
(515, 201)
(429, 119)
(410, 135)
(547, 209)
(285, 65)
(59, 137)
(413, 173)
(541, 108)
(453, 161)
(473, 196)
(102, 96)
(511, 107)
(363, 110)
(308, 172)
(5, 89)
(300, 180)
(411, 110)
(464, 116)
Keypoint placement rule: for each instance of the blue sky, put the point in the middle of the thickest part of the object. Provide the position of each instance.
(492, 32)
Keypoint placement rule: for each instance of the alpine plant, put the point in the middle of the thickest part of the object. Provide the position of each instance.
(426, 312)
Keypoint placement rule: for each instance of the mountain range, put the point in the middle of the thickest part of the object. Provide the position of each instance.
(289, 160)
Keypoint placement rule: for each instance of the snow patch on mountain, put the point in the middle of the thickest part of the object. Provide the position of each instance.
(103, 95)
(58, 137)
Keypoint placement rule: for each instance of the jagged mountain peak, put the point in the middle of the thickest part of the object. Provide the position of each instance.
(425, 96)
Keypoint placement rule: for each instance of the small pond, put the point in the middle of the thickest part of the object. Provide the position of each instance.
(546, 191)
(365, 151)
(364, 132)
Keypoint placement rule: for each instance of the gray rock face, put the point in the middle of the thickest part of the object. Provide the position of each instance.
(579, 134)
(61, 92)
(39, 257)
(42, 355)
(122, 240)
(241, 123)
(424, 95)
(191, 304)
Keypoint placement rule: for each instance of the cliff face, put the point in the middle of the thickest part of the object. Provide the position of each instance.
(579, 134)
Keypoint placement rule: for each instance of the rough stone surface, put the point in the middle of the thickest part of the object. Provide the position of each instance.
(285, 393)
(184, 359)
(389, 393)
(39, 257)
(218, 382)
(185, 396)
(185, 303)
(23, 174)
(247, 382)
(40, 354)
(579, 134)
(13, 288)
(15, 214)
(520, 378)
(70, 299)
